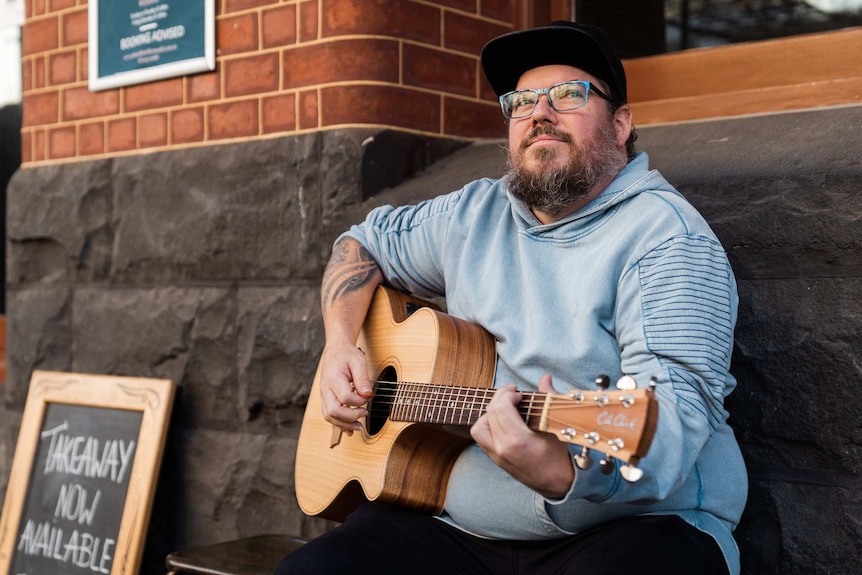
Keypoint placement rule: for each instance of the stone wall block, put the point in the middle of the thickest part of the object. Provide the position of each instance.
(182, 334)
(270, 504)
(59, 223)
(279, 340)
(357, 165)
(341, 183)
(821, 531)
(798, 529)
(253, 208)
(8, 441)
(218, 470)
(798, 401)
(786, 228)
(768, 147)
(38, 324)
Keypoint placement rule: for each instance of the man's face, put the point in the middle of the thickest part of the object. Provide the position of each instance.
(560, 160)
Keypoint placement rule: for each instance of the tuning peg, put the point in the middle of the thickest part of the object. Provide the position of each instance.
(631, 473)
(627, 383)
(606, 464)
(603, 382)
(583, 459)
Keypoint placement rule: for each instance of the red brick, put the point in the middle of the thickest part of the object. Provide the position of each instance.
(56, 5)
(393, 18)
(438, 70)
(341, 60)
(278, 26)
(472, 119)
(154, 95)
(202, 87)
(85, 66)
(39, 35)
(26, 75)
(309, 110)
(499, 10)
(279, 113)
(39, 78)
(39, 109)
(233, 120)
(40, 7)
(469, 35)
(40, 149)
(187, 126)
(237, 5)
(61, 143)
(387, 105)
(62, 68)
(26, 147)
(251, 75)
(91, 139)
(486, 92)
(122, 135)
(308, 21)
(80, 103)
(75, 28)
(153, 130)
(237, 34)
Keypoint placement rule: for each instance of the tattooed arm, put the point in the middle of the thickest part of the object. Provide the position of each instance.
(348, 285)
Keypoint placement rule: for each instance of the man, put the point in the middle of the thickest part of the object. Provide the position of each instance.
(581, 261)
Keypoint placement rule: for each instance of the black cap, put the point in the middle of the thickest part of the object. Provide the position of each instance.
(507, 57)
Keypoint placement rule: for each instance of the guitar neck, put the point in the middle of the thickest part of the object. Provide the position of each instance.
(452, 404)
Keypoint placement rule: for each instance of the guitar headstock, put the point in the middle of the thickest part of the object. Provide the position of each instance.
(620, 424)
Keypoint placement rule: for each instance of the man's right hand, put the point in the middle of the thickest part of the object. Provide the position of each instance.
(344, 386)
(349, 282)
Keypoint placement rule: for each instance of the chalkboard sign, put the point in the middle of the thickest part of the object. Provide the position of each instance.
(83, 475)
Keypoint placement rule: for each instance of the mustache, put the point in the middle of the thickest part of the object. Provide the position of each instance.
(546, 131)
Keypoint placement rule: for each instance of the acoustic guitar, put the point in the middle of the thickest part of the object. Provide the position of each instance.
(434, 372)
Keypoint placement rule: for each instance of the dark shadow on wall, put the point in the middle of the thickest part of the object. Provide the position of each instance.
(10, 160)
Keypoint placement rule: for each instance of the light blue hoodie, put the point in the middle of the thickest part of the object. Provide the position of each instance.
(633, 283)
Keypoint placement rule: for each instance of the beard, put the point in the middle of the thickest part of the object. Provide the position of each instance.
(552, 187)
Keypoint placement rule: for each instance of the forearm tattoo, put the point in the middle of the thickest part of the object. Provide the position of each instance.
(349, 268)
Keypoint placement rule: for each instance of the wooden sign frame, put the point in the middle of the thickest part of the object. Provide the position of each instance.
(153, 397)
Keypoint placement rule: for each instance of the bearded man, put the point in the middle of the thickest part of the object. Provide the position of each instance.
(580, 261)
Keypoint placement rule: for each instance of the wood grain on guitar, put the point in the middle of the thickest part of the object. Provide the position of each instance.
(432, 371)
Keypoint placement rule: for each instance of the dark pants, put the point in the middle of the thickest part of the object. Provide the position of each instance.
(382, 540)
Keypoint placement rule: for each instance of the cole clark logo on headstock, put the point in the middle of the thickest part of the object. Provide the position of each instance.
(609, 423)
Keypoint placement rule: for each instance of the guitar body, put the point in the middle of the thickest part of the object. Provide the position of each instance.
(397, 462)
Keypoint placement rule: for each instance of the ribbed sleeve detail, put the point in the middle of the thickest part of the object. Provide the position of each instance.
(686, 289)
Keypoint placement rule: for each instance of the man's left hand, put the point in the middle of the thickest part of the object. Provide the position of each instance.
(538, 460)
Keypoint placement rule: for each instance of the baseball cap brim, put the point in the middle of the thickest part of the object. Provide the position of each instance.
(507, 57)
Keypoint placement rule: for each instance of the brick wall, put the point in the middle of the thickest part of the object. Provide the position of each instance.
(282, 66)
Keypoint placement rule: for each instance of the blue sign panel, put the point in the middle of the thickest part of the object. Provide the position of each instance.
(136, 41)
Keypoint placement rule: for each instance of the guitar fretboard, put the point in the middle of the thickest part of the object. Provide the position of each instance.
(448, 404)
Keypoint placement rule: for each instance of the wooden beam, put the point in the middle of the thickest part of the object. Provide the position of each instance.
(808, 71)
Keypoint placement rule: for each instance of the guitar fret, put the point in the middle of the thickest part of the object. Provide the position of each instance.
(414, 406)
(397, 403)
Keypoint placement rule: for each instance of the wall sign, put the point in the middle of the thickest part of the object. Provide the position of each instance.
(137, 41)
(84, 474)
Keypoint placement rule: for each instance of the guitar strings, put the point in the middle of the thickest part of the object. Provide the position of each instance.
(437, 411)
(459, 397)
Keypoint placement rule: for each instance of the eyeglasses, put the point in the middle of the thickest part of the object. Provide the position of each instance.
(562, 98)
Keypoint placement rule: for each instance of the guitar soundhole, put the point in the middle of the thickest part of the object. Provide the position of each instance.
(381, 405)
